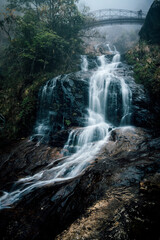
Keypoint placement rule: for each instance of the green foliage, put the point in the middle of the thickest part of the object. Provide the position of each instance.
(7, 22)
(146, 61)
(43, 42)
(18, 105)
(68, 122)
(36, 47)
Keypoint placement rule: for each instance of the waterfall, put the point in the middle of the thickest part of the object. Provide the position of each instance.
(45, 115)
(84, 64)
(109, 106)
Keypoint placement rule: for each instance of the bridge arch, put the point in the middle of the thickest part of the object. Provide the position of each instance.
(114, 16)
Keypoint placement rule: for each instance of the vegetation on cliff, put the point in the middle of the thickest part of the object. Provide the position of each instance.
(145, 57)
(42, 42)
(146, 61)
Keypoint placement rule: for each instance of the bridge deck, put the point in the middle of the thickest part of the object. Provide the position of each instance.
(114, 16)
(114, 21)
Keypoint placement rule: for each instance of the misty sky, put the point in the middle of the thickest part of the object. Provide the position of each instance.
(120, 4)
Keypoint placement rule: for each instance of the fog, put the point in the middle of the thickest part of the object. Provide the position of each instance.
(123, 37)
(100, 4)
(120, 4)
(2, 2)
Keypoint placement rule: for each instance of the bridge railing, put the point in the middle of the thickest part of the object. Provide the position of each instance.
(105, 14)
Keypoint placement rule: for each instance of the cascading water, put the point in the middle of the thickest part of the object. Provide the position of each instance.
(45, 115)
(109, 106)
(84, 64)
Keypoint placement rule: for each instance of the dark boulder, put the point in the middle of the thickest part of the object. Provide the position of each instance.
(70, 100)
(143, 110)
(63, 103)
(151, 28)
(105, 192)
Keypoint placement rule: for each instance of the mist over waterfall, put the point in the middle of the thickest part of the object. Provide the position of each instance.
(109, 107)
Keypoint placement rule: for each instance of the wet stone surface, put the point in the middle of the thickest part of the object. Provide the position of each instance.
(116, 197)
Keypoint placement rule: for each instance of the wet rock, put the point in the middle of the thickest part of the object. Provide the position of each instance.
(143, 114)
(92, 62)
(106, 196)
(127, 141)
(62, 103)
(67, 105)
(151, 184)
(121, 213)
(25, 158)
(151, 28)
(59, 139)
(155, 144)
(116, 116)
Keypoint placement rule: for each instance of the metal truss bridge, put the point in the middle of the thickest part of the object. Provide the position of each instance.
(114, 16)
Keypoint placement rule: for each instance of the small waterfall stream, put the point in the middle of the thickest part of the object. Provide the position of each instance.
(84, 64)
(44, 116)
(109, 107)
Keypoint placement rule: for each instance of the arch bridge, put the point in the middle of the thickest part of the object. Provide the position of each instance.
(114, 16)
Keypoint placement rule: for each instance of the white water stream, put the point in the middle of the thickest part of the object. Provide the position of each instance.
(86, 141)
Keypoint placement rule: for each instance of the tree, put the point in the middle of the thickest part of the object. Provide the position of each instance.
(56, 13)
(46, 35)
(44, 42)
(7, 22)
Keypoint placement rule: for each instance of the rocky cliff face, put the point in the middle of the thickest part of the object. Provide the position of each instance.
(62, 104)
(108, 197)
(113, 203)
(65, 105)
(151, 28)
